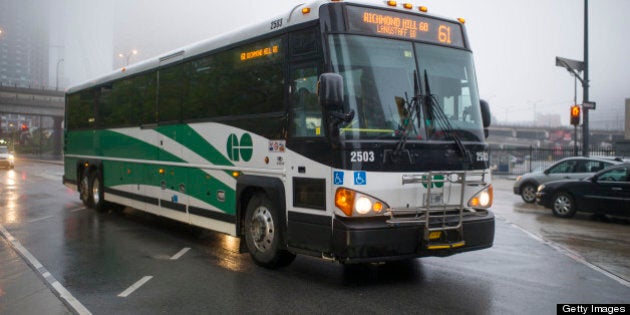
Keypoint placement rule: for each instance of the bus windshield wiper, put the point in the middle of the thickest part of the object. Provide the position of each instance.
(412, 110)
(442, 120)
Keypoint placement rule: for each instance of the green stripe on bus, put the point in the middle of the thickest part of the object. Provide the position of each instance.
(107, 143)
(196, 183)
(189, 138)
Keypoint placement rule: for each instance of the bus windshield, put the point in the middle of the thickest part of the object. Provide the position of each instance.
(380, 73)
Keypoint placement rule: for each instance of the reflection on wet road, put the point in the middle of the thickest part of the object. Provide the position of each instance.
(100, 256)
(603, 242)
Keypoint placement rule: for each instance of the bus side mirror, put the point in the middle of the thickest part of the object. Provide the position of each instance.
(486, 117)
(330, 91)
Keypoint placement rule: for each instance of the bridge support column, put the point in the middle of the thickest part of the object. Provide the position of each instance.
(58, 135)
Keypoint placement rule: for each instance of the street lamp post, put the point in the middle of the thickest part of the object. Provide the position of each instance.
(575, 68)
(534, 103)
(585, 132)
(57, 80)
(128, 56)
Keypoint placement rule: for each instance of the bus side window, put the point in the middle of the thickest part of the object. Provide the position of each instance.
(307, 115)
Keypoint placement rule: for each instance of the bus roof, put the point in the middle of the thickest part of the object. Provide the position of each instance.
(291, 18)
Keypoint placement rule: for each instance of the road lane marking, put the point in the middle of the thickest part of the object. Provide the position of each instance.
(135, 286)
(51, 177)
(573, 255)
(39, 219)
(78, 209)
(59, 289)
(180, 253)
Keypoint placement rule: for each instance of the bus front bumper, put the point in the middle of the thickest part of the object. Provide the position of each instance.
(359, 241)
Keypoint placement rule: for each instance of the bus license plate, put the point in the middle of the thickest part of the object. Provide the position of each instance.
(434, 199)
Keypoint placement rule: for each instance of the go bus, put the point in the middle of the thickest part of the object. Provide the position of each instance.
(344, 130)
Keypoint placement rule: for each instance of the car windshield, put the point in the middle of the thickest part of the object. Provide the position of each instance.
(381, 77)
(4, 150)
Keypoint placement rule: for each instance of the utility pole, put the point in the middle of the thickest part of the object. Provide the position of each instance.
(585, 85)
(575, 67)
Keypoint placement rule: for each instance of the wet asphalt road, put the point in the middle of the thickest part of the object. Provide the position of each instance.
(97, 257)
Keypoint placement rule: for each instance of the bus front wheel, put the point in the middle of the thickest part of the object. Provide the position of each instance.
(263, 233)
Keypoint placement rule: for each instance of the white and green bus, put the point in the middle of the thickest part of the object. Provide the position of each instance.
(346, 130)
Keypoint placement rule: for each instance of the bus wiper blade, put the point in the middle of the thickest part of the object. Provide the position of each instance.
(412, 110)
(409, 108)
(443, 121)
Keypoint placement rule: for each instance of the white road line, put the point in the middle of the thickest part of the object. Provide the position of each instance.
(135, 286)
(180, 253)
(51, 177)
(78, 209)
(573, 255)
(39, 219)
(37, 266)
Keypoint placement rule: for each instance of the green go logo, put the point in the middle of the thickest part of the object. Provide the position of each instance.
(438, 184)
(242, 149)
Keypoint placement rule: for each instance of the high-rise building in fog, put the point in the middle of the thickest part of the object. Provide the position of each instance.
(24, 43)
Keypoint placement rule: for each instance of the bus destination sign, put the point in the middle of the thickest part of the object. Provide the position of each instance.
(388, 23)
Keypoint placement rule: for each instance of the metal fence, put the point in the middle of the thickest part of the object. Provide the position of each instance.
(517, 161)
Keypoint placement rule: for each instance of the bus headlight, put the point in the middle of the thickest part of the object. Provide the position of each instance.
(363, 205)
(353, 203)
(482, 199)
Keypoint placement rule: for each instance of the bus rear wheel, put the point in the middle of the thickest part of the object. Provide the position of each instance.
(96, 192)
(263, 234)
(84, 190)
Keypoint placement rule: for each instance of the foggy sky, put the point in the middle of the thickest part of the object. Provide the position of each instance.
(514, 43)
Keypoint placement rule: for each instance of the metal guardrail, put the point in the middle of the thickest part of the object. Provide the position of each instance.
(518, 161)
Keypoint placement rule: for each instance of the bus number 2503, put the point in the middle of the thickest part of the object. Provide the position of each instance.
(361, 156)
(276, 24)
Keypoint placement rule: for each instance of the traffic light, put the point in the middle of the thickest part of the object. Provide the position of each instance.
(575, 115)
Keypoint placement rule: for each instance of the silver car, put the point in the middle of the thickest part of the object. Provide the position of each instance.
(567, 168)
(6, 158)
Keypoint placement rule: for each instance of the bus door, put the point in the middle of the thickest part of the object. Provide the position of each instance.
(309, 224)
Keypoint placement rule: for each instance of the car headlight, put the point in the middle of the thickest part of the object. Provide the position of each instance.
(518, 178)
(541, 187)
(483, 199)
(353, 203)
(11, 157)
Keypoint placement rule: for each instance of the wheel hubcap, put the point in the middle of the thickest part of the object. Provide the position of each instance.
(528, 192)
(84, 188)
(262, 229)
(96, 188)
(562, 205)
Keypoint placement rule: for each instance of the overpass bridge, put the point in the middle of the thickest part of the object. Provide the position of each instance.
(38, 105)
(548, 137)
(35, 102)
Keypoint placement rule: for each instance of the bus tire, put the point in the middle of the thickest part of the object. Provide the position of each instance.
(84, 189)
(263, 233)
(96, 192)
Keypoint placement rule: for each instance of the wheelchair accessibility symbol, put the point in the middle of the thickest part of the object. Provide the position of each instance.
(338, 178)
(360, 178)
